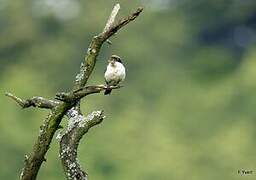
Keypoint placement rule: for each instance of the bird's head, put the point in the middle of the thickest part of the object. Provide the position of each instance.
(114, 58)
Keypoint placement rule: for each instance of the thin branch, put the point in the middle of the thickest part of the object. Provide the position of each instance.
(112, 18)
(69, 141)
(39, 102)
(121, 23)
(80, 93)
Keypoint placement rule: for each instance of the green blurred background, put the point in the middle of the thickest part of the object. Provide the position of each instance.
(187, 110)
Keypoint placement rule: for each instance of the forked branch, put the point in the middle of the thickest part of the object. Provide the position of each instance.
(78, 125)
(70, 100)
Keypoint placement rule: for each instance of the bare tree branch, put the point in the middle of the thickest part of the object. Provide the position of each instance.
(111, 18)
(80, 93)
(34, 160)
(69, 141)
(121, 23)
(39, 102)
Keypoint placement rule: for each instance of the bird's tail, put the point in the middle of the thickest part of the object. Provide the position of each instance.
(107, 91)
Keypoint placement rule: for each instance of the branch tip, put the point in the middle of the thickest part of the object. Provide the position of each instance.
(39, 102)
(112, 17)
(16, 99)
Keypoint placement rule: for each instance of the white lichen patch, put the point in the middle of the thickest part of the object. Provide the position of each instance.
(72, 113)
(94, 51)
(41, 131)
(72, 165)
(94, 114)
(53, 102)
(74, 118)
(90, 117)
(22, 173)
(59, 136)
(80, 75)
(65, 151)
(39, 98)
(97, 113)
(88, 50)
(26, 157)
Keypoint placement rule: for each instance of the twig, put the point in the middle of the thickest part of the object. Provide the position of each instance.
(69, 141)
(121, 23)
(39, 102)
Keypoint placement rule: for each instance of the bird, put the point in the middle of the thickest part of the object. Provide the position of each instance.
(115, 72)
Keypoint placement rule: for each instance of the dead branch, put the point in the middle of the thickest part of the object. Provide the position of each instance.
(39, 102)
(78, 126)
(80, 93)
(70, 100)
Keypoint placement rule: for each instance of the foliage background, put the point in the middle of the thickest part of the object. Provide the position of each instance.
(188, 107)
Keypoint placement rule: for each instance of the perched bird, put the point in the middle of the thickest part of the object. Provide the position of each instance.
(115, 72)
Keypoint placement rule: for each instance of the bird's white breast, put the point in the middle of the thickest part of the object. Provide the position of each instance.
(115, 74)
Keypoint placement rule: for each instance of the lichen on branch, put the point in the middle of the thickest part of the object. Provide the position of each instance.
(81, 93)
(69, 102)
(36, 101)
(78, 125)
